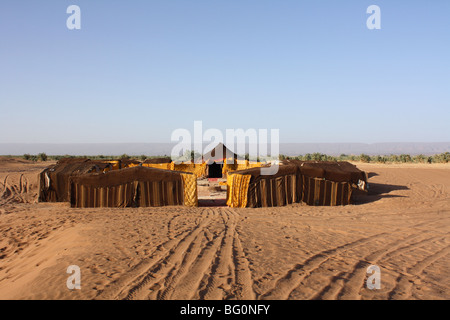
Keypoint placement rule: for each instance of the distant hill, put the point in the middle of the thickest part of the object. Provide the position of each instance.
(290, 149)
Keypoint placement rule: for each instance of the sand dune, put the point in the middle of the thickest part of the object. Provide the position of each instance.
(293, 252)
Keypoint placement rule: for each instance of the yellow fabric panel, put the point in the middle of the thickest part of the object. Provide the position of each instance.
(227, 168)
(240, 166)
(198, 169)
(131, 165)
(164, 166)
(229, 189)
(237, 193)
(190, 190)
(240, 190)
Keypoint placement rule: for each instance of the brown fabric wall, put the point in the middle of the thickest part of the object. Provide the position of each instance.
(131, 187)
(320, 192)
(272, 191)
(120, 196)
(160, 193)
(275, 192)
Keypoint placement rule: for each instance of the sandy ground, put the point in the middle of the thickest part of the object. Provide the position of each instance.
(294, 252)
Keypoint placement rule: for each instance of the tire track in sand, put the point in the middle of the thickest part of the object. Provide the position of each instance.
(185, 276)
(196, 264)
(350, 286)
(403, 288)
(230, 276)
(244, 281)
(220, 262)
(163, 267)
(143, 275)
(356, 277)
(218, 284)
(294, 278)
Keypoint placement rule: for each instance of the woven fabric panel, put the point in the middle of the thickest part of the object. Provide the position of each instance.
(190, 190)
(198, 169)
(164, 166)
(238, 191)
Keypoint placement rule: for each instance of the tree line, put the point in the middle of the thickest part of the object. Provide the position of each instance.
(393, 158)
(402, 158)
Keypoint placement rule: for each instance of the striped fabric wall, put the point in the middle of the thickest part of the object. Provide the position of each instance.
(133, 194)
(274, 192)
(320, 192)
(157, 194)
(288, 189)
(120, 196)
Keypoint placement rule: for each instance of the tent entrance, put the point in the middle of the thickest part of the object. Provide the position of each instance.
(215, 170)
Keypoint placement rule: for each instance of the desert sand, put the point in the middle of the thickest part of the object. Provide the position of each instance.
(293, 252)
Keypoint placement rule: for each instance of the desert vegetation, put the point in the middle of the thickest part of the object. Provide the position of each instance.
(402, 158)
(364, 158)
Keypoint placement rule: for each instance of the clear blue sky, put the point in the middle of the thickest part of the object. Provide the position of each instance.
(137, 70)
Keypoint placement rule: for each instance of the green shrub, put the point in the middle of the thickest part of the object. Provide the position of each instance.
(42, 157)
(364, 158)
(405, 158)
(420, 158)
(381, 159)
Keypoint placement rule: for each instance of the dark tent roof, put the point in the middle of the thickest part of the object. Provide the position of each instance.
(127, 175)
(218, 154)
(158, 160)
(54, 181)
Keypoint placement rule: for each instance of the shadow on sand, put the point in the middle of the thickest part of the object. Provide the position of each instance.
(212, 202)
(377, 191)
(371, 174)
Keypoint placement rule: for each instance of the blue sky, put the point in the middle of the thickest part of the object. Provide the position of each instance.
(137, 70)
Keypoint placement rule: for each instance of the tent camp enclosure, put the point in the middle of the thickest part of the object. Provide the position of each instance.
(133, 187)
(160, 182)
